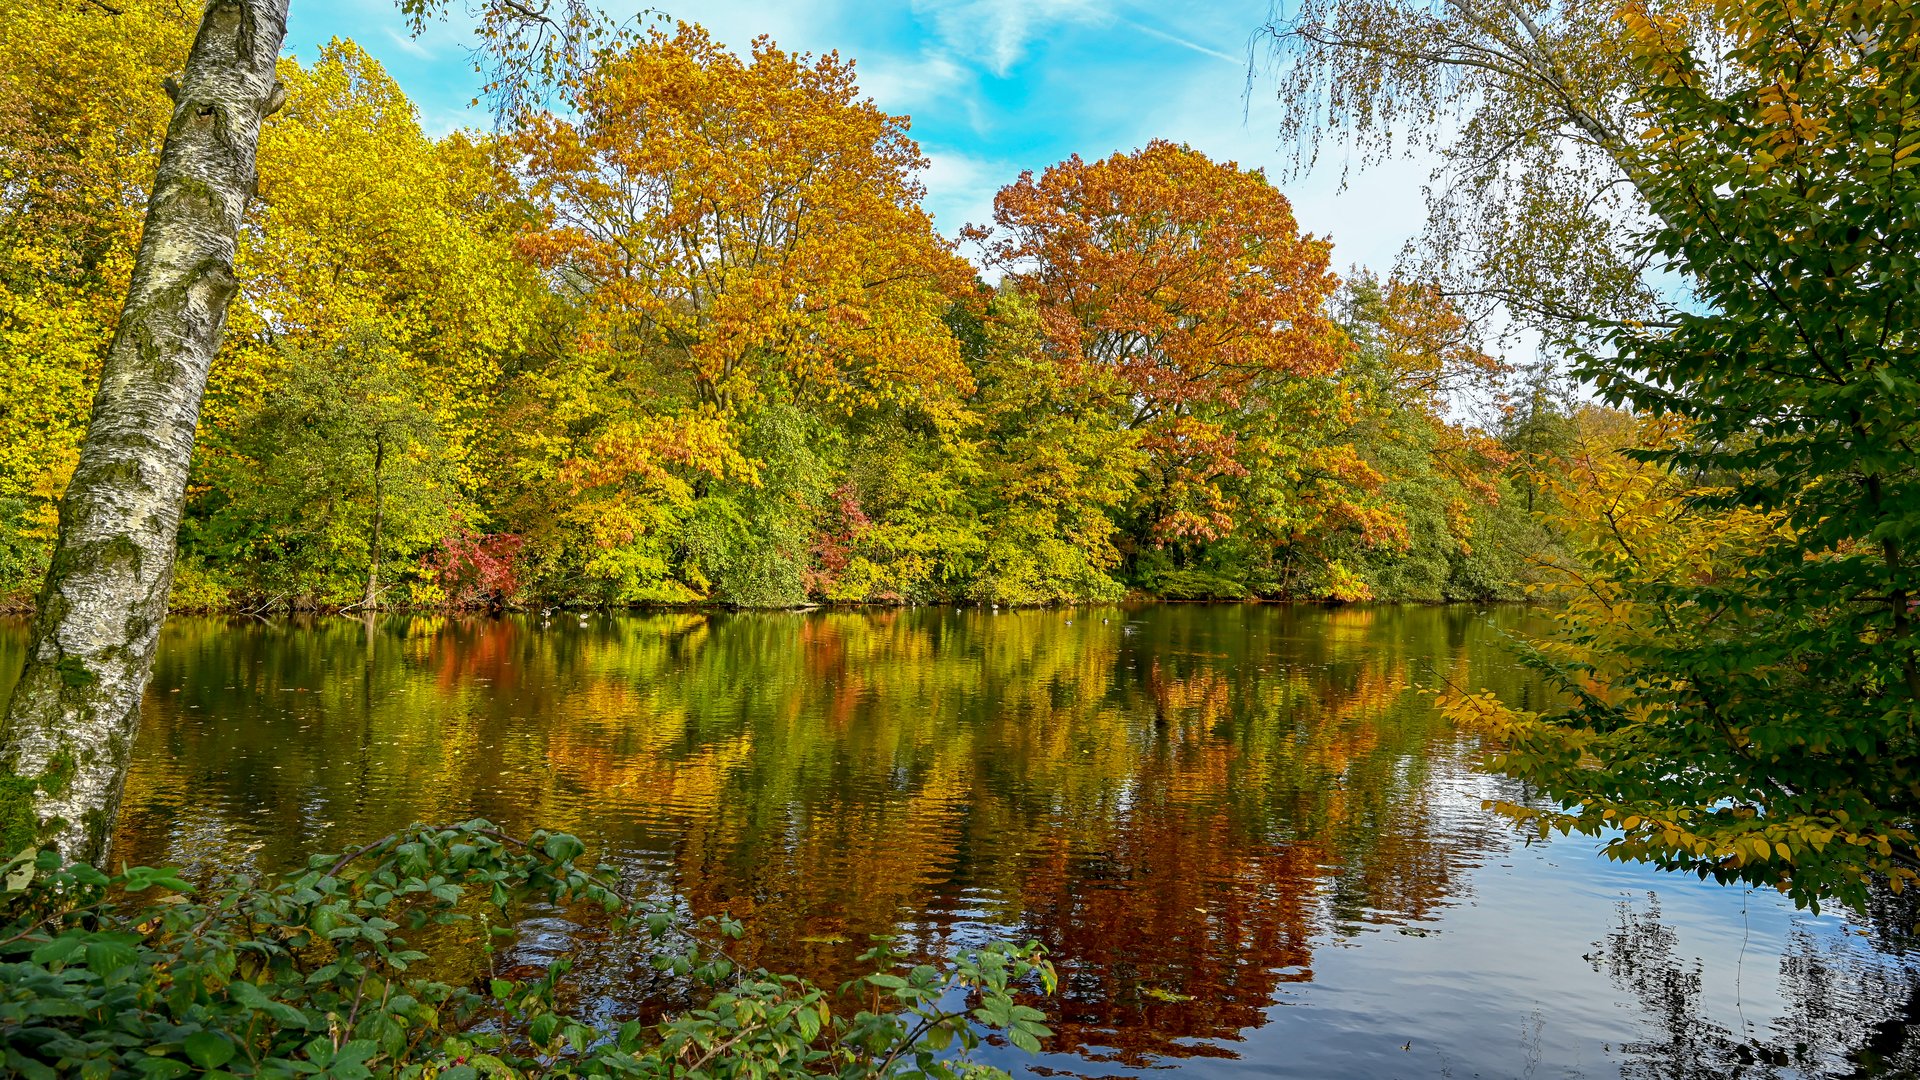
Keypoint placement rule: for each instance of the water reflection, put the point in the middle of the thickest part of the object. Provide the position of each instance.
(1835, 995)
(1223, 820)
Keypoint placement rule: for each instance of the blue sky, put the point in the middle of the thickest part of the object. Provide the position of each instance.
(993, 87)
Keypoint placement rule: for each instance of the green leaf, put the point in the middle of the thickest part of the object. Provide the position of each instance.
(249, 995)
(105, 957)
(561, 847)
(542, 1028)
(59, 949)
(20, 870)
(209, 1049)
(809, 1023)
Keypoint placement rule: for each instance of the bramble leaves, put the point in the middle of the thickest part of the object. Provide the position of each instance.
(307, 974)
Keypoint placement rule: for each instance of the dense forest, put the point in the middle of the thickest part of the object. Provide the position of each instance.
(691, 337)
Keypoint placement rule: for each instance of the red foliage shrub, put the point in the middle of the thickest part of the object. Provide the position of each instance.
(475, 569)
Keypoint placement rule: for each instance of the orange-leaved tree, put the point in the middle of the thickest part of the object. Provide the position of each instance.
(752, 226)
(1182, 284)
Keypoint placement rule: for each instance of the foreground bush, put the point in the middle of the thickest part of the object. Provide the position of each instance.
(139, 975)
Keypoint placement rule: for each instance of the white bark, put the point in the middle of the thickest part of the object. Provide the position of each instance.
(69, 727)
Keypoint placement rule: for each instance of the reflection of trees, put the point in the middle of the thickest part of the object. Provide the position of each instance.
(1177, 800)
(1849, 1012)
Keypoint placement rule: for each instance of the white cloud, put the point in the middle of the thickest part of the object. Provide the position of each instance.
(961, 187)
(1204, 50)
(904, 84)
(408, 44)
(997, 32)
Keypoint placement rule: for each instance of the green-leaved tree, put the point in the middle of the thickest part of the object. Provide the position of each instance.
(1742, 647)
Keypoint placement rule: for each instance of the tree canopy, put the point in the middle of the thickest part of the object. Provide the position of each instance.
(691, 336)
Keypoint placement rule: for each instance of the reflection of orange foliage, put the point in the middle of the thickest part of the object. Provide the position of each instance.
(461, 656)
(1171, 934)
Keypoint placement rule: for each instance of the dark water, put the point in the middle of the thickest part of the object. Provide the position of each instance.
(1250, 844)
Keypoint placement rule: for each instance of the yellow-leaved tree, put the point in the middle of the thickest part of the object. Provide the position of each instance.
(366, 231)
(365, 222)
(81, 120)
(753, 224)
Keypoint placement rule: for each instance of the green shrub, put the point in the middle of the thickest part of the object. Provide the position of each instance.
(764, 564)
(136, 975)
(196, 589)
(25, 541)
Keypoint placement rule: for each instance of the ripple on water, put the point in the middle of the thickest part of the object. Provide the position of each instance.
(1247, 842)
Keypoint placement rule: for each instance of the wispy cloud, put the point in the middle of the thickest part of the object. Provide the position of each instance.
(997, 32)
(1236, 61)
(408, 44)
(905, 82)
(961, 187)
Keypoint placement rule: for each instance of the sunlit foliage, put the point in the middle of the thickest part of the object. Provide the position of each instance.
(694, 338)
(82, 113)
(753, 226)
(1168, 287)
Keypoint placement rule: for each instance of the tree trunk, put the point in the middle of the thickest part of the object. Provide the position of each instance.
(379, 513)
(70, 724)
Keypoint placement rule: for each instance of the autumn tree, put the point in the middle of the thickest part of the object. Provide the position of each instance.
(1364, 485)
(755, 223)
(1419, 377)
(361, 222)
(343, 479)
(745, 237)
(1179, 284)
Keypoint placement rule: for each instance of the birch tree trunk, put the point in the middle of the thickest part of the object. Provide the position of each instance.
(69, 726)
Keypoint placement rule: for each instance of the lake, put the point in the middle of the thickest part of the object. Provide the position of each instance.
(1251, 846)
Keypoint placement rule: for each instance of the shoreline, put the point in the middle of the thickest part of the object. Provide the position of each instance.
(281, 611)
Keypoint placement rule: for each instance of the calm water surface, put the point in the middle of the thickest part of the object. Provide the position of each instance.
(1250, 844)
